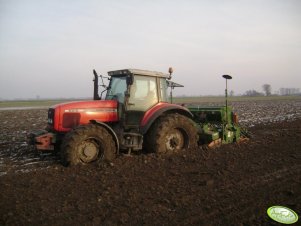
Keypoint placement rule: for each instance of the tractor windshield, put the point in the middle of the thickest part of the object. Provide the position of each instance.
(116, 89)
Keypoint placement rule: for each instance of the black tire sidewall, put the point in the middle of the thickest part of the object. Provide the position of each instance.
(156, 137)
(74, 139)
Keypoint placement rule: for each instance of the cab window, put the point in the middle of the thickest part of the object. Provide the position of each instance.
(143, 93)
(163, 90)
(116, 89)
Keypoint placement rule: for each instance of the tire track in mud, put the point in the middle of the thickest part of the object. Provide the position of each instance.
(24, 159)
(15, 155)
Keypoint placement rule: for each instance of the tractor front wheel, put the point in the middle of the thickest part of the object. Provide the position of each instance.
(86, 144)
(171, 133)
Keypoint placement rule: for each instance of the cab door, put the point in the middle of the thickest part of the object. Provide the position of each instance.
(143, 95)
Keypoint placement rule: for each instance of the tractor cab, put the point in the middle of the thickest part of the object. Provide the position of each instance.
(136, 91)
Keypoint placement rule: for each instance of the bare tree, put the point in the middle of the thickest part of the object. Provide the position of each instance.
(231, 93)
(253, 93)
(267, 89)
(289, 91)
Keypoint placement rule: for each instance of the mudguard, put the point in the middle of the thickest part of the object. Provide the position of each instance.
(161, 108)
(111, 131)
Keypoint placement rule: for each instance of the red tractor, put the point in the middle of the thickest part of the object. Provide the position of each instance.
(134, 115)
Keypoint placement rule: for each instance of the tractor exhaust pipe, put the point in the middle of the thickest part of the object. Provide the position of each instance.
(95, 80)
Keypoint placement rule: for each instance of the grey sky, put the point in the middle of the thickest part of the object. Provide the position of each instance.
(49, 48)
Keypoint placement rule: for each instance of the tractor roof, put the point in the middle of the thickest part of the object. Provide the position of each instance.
(138, 72)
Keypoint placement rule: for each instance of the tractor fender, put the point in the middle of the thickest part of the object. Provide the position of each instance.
(110, 130)
(155, 112)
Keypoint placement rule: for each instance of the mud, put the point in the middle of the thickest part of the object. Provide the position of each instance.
(230, 185)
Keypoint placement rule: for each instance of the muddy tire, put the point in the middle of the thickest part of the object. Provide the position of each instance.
(86, 144)
(170, 134)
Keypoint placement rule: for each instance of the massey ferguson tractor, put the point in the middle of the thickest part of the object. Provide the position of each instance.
(136, 113)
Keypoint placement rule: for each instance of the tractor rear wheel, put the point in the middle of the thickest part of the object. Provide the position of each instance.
(86, 144)
(171, 133)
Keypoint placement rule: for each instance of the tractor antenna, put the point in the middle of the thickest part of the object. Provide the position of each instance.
(226, 93)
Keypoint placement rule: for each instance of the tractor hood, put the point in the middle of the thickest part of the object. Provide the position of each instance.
(65, 116)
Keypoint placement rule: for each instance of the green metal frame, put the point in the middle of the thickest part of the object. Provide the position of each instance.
(215, 123)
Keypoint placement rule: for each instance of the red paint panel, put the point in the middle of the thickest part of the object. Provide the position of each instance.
(72, 114)
(156, 108)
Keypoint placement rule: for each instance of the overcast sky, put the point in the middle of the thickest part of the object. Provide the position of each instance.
(49, 48)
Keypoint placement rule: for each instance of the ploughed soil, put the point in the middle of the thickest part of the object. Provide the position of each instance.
(231, 185)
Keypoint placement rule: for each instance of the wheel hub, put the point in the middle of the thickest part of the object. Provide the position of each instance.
(89, 151)
(175, 140)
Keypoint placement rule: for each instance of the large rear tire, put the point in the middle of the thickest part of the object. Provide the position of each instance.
(170, 134)
(86, 144)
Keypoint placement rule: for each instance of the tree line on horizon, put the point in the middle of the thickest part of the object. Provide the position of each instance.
(267, 91)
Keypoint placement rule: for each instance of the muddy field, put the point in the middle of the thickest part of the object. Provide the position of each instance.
(231, 185)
